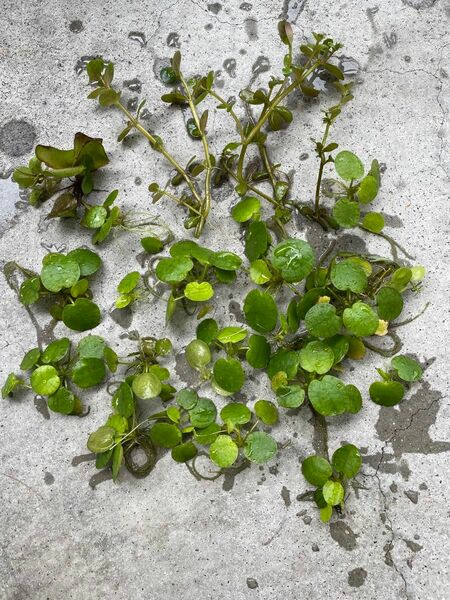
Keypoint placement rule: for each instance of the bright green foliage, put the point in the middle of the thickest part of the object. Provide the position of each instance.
(294, 259)
(63, 279)
(330, 396)
(260, 311)
(347, 275)
(347, 460)
(348, 166)
(309, 318)
(407, 368)
(386, 393)
(316, 470)
(360, 319)
(322, 321)
(54, 370)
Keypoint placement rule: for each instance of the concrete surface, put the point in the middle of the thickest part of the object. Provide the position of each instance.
(169, 536)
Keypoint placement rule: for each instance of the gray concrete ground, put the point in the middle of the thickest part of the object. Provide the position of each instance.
(169, 536)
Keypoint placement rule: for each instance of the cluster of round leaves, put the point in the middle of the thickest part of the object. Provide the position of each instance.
(182, 428)
(64, 280)
(50, 372)
(191, 271)
(330, 479)
(354, 190)
(227, 375)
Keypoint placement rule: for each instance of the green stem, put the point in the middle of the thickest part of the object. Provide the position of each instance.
(137, 125)
(323, 162)
(206, 204)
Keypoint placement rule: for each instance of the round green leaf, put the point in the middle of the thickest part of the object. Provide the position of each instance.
(29, 291)
(226, 261)
(173, 270)
(294, 259)
(123, 400)
(259, 272)
(91, 346)
(360, 319)
(198, 292)
(367, 189)
(257, 240)
(330, 396)
(203, 413)
(245, 209)
(322, 321)
(187, 398)
(45, 380)
(400, 278)
(88, 261)
(348, 275)
(184, 452)
(316, 470)
(165, 435)
(258, 352)
(101, 440)
(266, 412)
(94, 217)
(389, 303)
(82, 315)
(316, 357)
(261, 311)
(30, 359)
(63, 401)
(347, 460)
(88, 372)
(333, 492)
(146, 386)
(259, 447)
(59, 272)
(229, 374)
(207, 330)
(407, 368)
(197, 354)
(152, 245)
(348, 166)
(283, 360)
(235, 413)
(290, 396)
(347, 213)
(232, 335)
(223, 451)
(56, 351)
(129, 282)
(373, 221)
(386, 393)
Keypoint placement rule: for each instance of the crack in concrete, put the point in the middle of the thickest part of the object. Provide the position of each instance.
(389, 547)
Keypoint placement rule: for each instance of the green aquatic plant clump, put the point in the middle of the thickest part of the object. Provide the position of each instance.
(307, 319)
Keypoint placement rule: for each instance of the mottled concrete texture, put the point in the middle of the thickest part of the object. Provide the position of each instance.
(170, 537)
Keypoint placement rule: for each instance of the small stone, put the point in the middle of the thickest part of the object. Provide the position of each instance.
(307, 520)
(252, 583)
(315, 548)
(412, 495)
